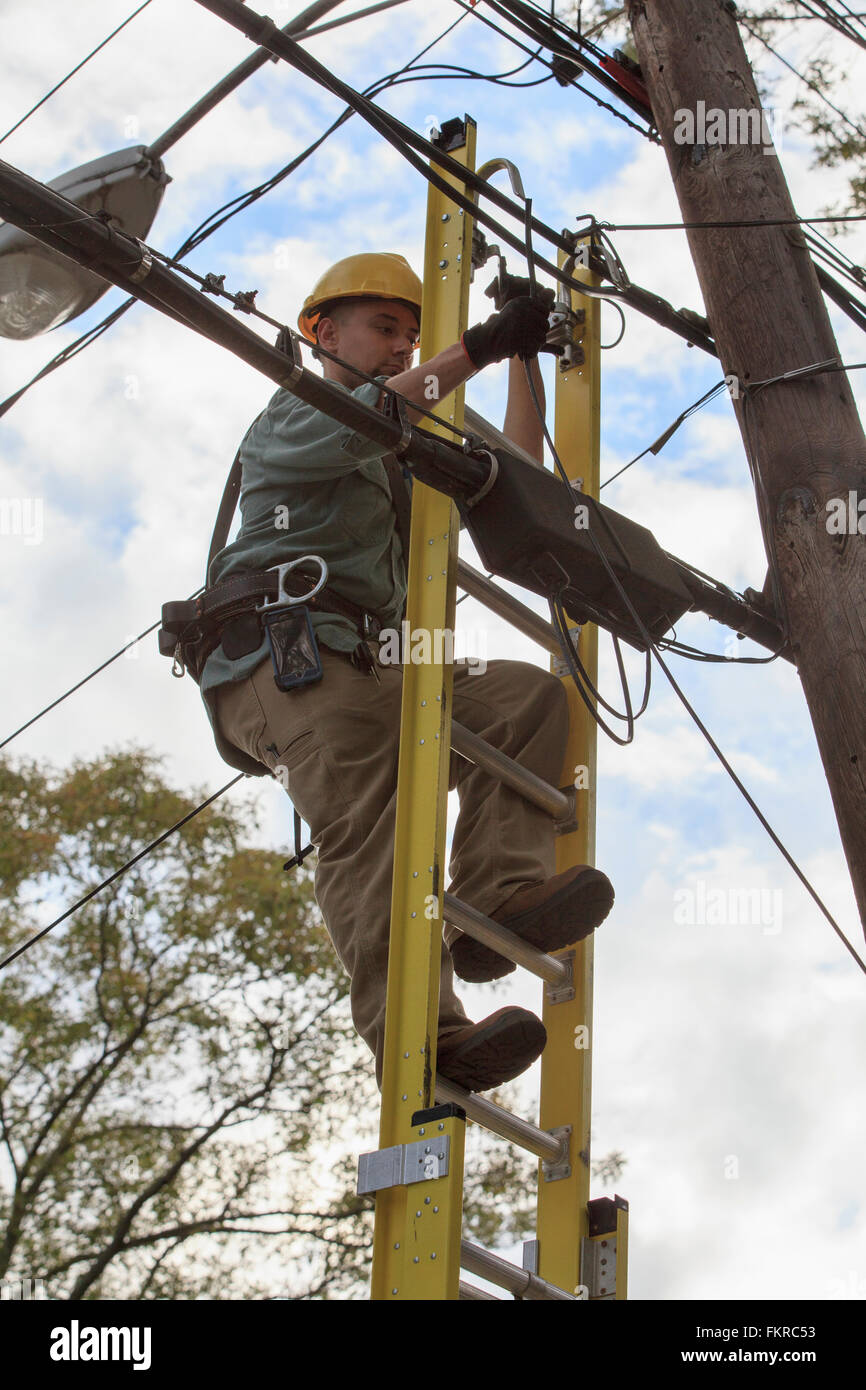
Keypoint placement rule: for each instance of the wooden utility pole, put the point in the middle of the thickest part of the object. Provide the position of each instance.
(803, 437)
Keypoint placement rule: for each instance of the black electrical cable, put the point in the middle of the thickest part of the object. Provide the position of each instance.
(408, 143)
(565, 79)
(575, 671)
(199, 235)
(77, 68)
(652, 647)
(697, 654)
(578, 671)
(19, 950)
(733, 222)
(807, 81)
(206, 228)
(834, 20)
(663, 438)
(720, 755)
(140, 638)
(537, 28)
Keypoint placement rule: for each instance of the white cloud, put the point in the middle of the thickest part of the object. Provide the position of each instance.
(710, 1042)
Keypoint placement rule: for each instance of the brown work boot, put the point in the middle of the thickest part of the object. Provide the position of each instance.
(549, 915)
(486, 1054)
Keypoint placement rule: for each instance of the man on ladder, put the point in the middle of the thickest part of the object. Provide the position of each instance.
(311, 487)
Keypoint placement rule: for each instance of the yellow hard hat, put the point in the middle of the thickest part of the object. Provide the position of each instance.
(370, 275)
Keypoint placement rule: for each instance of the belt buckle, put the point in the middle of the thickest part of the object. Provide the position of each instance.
(286, 600)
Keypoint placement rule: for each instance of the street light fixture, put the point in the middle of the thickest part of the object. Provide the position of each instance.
(39, 288)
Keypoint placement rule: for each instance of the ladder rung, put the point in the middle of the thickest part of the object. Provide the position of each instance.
(518, 1281)
(494, 761)
(511, 609)
(506, 942)
(502, 1122)
(468, 1291)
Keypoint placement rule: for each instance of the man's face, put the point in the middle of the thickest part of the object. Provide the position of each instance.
(378, 336)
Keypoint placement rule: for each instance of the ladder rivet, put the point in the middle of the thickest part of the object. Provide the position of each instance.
(430, 542)
(416, 1259)
(414, 873)
(433, 1254)
(417, 1213)
(446, 217)
(420, 740)
(442, 265)
(405, 1054)
(426, 1150)
(426, 1201)
(435, 1208)
(405, 1097)
(423, 703)
(429, 577)
(393, 1290)
(441, 1126)
(422, 1131)
(414, 914)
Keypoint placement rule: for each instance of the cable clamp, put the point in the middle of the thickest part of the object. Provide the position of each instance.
(145, 265)
(488, 481)
(395, 409)
(287, 342)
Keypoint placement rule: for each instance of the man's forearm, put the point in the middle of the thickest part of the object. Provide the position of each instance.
(429, 382)
(522, 425)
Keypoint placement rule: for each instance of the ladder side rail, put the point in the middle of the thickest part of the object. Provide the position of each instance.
(416, 1249)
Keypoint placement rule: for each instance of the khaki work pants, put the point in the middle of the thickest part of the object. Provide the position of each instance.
(338, 741)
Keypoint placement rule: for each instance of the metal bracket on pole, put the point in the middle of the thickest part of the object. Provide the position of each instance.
(563, 990)
(561, 1167)
(404, 1164)
(598, 1267)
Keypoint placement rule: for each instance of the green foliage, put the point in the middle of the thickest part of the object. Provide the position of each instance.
(182, 1094)
(171, 1056)
(839, 135)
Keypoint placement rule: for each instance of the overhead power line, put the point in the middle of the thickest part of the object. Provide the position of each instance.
(77, 68)
(653, 649)
(31, 941)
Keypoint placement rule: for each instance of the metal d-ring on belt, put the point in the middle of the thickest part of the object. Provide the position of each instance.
(193, 628)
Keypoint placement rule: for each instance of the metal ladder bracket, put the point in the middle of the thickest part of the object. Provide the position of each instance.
(404, 1164)
(598, 1267)
(563, 990)
(569, 823)
(553, 1170)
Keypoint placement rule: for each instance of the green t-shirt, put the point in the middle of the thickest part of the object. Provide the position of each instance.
(311, 486)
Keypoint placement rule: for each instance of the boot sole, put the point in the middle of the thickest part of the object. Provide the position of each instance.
(538, 927)
(496, 1054)
(543, 928)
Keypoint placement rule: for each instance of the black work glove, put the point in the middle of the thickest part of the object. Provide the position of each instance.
(519, 329)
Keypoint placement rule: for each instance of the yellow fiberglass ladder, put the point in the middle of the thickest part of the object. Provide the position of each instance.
(417, 1173)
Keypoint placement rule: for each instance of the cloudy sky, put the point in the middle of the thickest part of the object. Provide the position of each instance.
(727, 1056)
